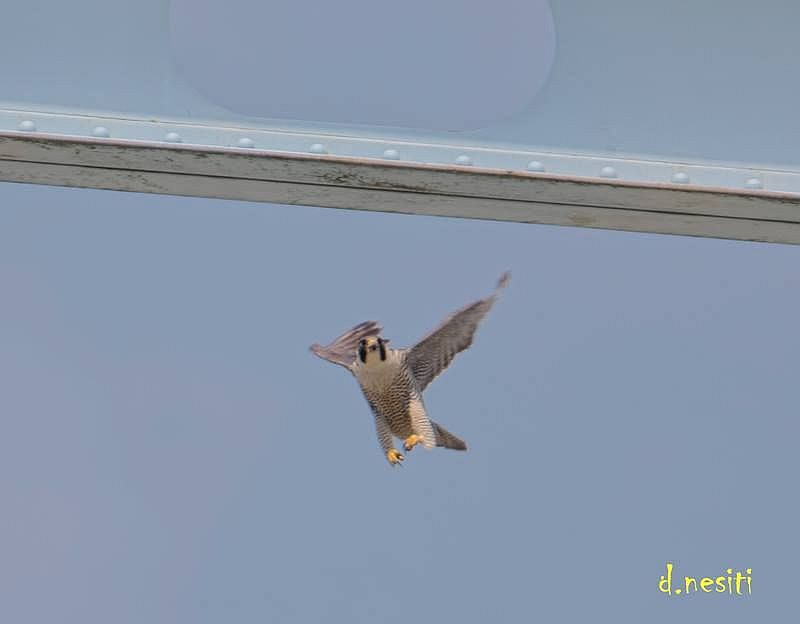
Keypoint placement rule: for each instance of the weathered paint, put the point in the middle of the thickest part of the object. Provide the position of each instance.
(375, 184)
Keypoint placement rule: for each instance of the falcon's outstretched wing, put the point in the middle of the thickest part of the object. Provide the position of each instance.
(343, 350)
(431, 355)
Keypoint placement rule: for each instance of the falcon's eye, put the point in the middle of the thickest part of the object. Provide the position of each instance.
(362, 342)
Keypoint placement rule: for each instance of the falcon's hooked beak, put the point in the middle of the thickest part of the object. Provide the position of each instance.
(371, 344)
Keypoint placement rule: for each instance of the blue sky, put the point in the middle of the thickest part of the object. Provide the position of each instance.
(171, 451)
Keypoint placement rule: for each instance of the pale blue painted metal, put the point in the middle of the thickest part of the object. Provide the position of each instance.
(619, 90)
(722, 175)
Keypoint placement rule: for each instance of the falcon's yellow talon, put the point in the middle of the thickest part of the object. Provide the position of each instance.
(394, 456)
(412, 440)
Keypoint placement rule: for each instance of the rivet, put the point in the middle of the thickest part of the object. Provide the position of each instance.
(680, 178)
(245, 142)
(317, 148)
(173, 137)
(535, 165)
(754, 183)
(464, 160)
(101, 132)
(27, 126)
(391, 154)
(608, 172)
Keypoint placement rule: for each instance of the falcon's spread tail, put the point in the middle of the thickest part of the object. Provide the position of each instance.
(448, 440)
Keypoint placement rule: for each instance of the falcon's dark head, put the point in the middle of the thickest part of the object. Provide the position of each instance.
(370, 345)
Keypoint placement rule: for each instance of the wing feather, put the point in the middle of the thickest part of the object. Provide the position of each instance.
(433, 354)
(343, 350)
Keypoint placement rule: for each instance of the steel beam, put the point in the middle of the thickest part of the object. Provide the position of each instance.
(383, 183)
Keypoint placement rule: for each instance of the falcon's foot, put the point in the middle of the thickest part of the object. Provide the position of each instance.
(412, 440)
(394, 456)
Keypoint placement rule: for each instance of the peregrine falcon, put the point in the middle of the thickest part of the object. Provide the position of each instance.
(393, 380)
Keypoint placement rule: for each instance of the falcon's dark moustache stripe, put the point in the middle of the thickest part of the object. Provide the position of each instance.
(363, 348)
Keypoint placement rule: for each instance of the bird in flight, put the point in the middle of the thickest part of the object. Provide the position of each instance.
(393, 380)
